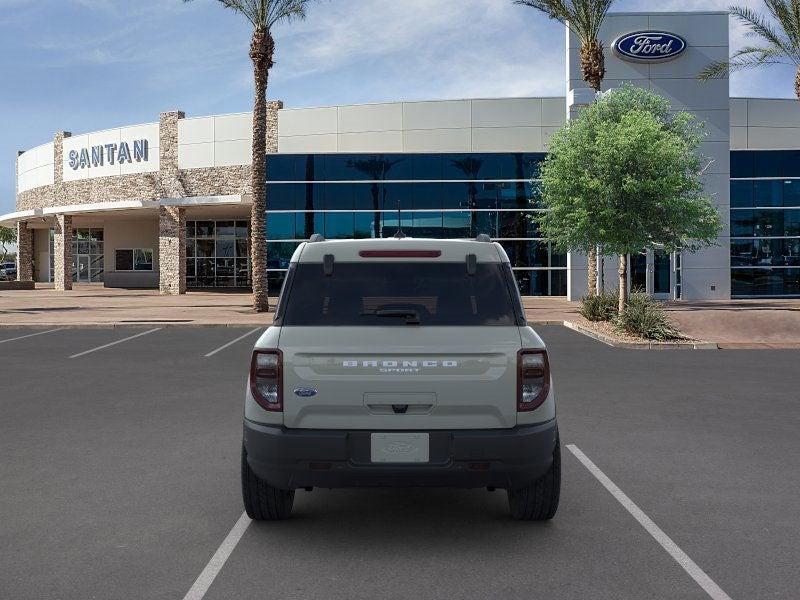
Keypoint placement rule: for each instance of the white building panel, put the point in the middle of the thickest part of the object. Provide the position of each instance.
(773, 113)
(234, 152)
(738, 108)
(437, 140)
(233, 127)
(371, 141)
(195, 156)
(444, 114)
(507, 112)
(302, 144)
(308, 121)
(767, 138)
(507, 139)
(690, 94)
(370, 117)
(739, 138)
(196, 131)
(554, 111)
(698, 29)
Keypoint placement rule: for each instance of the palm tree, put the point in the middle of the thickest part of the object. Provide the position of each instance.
(263, 15)
(778, 35)
(584, 19)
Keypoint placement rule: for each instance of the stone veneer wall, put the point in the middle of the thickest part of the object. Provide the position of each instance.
(62, 251)
(24, 252)
(172, 250)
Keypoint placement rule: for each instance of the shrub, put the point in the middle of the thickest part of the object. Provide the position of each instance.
(645, 318)
(602, 307)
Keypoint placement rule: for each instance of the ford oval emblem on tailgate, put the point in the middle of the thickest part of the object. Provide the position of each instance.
(305, 392)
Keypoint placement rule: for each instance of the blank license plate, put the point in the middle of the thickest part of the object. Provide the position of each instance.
(400, 447)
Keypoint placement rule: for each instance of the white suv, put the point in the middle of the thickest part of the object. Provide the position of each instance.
(400, 362)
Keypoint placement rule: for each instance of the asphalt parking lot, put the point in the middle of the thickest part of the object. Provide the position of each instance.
(119, 478)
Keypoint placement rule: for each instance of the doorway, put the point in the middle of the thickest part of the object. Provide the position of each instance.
(652, 272)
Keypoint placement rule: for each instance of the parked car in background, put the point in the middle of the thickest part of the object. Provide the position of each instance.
(8, 271)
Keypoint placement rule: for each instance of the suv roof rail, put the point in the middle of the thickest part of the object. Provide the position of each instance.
(482, 237)
(316, 237)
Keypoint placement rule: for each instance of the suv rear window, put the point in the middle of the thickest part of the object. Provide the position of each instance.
(392, 293)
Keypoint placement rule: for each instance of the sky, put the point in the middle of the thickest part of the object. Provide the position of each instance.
(86, 65)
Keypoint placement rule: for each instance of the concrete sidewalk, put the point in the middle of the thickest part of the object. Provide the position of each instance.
(733, 324)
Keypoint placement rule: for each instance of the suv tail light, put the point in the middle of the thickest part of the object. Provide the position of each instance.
(266, 385)
(533, 379)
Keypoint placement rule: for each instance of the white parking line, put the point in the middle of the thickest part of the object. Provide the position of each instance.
(232, 342)
(115, 343)
(695, 572)
(214, 566)
(22, 337)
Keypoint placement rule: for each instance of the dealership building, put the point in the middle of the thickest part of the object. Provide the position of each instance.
(167, 204)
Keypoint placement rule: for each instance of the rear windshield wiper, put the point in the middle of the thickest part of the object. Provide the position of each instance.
(411, 316)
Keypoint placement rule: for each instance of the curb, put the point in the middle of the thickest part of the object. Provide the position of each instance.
(640, 345)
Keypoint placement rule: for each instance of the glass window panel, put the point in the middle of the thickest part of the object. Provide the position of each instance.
(514, 224)
(280, 226)
(768, 163)
(465, 166)
(275, 280)
(226, 248)
(339, 226)
(742, 223)
(791, 192)
(279, 254)
(426, 225)
(533, 283)
(425, 195)
(143, 260)
(243, 229)
(225, 267)
(190, 272)
(242, 248)
(791, 222)
(539, 254)
(457, 224)
(394, 194)
(485, 194)
(365, 225)
(557, 259)
(83, 247)
(123, 260)
(558, 282)
(487, 222)
(339, 196)
(283, 196)
(283, 167)
(790, 165)
(205, 229)
(205, 267)
(741, 194)
(342, 167)
(527, 166)
(742, 164)
(366, 196)
(226, 228)
(768, 193)
(426, 166)
(309, 223)
(390, 223)
(205, 248)
(768, 223)
(190, 229)
(765, 282)
(453, 195)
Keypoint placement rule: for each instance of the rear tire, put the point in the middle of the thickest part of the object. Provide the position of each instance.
(539, 500)
(262, 502)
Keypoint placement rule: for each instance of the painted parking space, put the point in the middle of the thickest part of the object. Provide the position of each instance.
(126, 462)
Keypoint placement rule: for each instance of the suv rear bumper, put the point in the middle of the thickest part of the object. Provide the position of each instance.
(297, 458)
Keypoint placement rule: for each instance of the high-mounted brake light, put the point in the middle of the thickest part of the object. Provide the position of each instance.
(266, 375)
(400, 253)
(533, 379)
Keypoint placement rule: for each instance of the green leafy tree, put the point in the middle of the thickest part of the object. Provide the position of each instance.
(584, 19)
(263, 15)
(8, 236)
(626, 174)
(778, 40)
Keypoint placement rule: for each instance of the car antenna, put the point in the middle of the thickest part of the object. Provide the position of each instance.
(399, 235)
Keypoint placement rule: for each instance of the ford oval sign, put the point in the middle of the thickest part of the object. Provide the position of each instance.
(649, 46)
(305, 392)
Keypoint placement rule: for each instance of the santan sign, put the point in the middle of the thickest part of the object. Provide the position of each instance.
(649, 46)
(97, 156)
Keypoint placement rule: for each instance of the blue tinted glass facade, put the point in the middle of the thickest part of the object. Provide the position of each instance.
(765, 223)
(344, 196)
